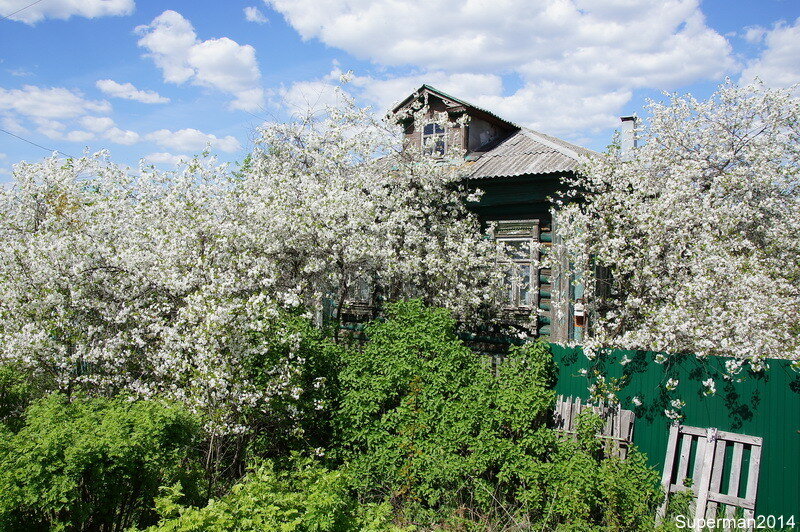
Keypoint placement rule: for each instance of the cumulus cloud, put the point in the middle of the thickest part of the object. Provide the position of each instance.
(221, 64)
(253, 14)
(192, 140)
(577, 62)
(79, 136)
(24, 11)
(165, 158)
(96, 123)
(53, 103)
(779, 62)
(13, 125)
(107, 129)
(128, 92)
(121, 136)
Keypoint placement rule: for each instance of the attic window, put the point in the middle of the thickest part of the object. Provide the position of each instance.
(433, 139)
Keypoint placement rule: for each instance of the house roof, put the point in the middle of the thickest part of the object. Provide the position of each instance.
(526, 152)
(448, 98)
(523, 152)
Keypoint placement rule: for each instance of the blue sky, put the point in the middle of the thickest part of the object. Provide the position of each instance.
(160, 80)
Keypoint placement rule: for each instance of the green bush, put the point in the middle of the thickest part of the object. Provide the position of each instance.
(300, 421)
(587, 490)
(426, 424)
(17, 390)
(424, 421)
(94, 464)
(305, 498)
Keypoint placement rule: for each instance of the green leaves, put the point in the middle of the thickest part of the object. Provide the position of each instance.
(424, 421)
(306, 497)
(94, 463)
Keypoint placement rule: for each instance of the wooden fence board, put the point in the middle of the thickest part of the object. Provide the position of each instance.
(709, 470)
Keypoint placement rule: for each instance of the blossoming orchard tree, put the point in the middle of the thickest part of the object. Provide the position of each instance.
(173, 283)
(698, 230)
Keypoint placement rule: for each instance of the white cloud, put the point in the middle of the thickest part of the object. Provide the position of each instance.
(13, 125)
(384, 93)
(105, 126)
(165, 158)
(129, 92)
(63, 9)
(577, 61)
(121, 136)
(78, 136)
(19, 72)
(192, 140)
(779, 63)
(52, 129)
(253, 14)
(55, 102)
(308, 96)
(97, 124)
(754, 34)
(2, 156)
(221, 64)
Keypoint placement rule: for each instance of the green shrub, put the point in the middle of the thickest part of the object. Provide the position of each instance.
(424, 421)
(298, 421)
(305, 498)
(426, 424)
(94, 464)
(17, 390)
(587, 490)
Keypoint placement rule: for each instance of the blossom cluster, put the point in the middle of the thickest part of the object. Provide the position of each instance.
(691, 242)
(168, 283)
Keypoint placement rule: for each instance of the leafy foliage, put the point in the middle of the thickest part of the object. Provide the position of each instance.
(304, 498)
(17, 389)
(425, 424)
(94, 464)
(589, 491)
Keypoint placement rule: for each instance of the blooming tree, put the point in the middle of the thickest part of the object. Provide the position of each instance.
(697, 231)
(170, 283)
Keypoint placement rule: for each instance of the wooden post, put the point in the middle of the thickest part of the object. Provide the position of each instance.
(666, 476)
(705, 478)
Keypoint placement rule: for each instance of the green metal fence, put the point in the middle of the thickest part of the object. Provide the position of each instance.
(765, 405)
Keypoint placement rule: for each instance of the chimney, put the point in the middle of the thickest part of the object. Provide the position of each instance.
(627, 135)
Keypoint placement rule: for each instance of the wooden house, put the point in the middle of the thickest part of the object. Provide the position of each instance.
(518, 169)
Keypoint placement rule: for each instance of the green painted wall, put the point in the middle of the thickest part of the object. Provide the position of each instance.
(765, 405)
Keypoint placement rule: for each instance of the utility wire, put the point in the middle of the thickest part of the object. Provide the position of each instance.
(20, 9)
(37, 145)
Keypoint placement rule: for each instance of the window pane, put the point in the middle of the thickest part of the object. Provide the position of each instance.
(524, 280)
(518, 249)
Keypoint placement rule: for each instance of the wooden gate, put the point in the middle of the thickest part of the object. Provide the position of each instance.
(618, 428)
(715, 456)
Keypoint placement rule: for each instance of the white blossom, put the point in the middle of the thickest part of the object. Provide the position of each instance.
(699, 229)
(168, 283)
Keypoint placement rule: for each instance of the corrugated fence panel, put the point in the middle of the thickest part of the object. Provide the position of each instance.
(765, 405)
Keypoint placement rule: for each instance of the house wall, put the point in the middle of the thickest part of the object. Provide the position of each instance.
(526, 198)
(482, 132)
(455, 134)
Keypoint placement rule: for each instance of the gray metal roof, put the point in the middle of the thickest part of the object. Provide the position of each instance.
(526, 152)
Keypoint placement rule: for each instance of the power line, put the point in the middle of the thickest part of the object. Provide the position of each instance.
(37, 145)
(20, 9)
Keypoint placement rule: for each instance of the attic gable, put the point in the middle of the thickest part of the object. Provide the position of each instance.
(494, 147)
(440, 101)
